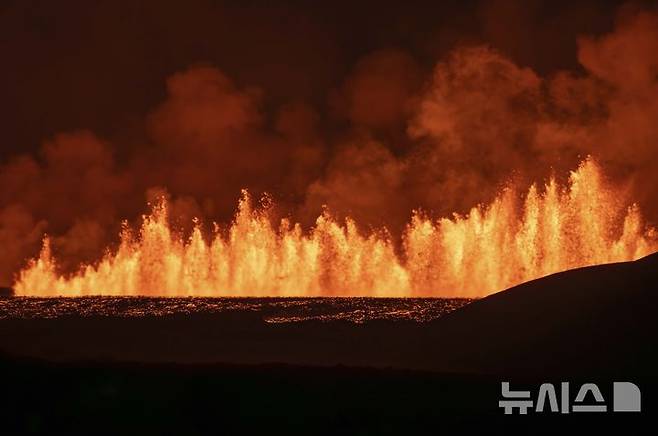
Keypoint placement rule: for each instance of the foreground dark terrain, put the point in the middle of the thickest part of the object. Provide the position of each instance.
(184, 372)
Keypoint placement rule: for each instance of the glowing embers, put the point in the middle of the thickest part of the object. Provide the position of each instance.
(512, 240)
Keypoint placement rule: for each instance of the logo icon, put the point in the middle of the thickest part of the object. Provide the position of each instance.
(626, 398)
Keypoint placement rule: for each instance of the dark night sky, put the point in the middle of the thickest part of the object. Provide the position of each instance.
(101, 65)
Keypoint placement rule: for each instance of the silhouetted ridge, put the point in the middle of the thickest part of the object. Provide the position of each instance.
(599, 319)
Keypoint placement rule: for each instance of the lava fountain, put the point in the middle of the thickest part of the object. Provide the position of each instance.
(514, 239)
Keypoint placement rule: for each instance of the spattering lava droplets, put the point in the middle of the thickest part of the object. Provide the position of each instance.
(512, 240)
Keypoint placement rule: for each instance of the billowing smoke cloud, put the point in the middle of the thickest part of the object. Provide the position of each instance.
(72, 191)
(394, 138)
(216, 135)
(378, 94)
(481, 120)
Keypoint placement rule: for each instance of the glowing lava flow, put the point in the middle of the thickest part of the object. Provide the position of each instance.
(489, 249)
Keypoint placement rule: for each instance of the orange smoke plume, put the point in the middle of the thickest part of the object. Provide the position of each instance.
(512, 240)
